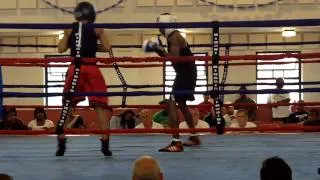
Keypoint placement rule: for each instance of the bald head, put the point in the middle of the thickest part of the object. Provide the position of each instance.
(146, 168)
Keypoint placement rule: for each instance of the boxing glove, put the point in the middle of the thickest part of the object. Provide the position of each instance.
(151, 46)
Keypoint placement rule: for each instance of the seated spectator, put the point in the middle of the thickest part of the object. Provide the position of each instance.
(252, 110)
(211, 118)
(40, 122)
(126, 120)
(280, 113)
(228, 113)
(11, 121)
(147, 122)
(162, 117)
(75, 121)
(299, 115)
(275, 168)
(204, 111)
(313, 118)
(198, 122)
(5, 177)
(242, 120)
(146, 168)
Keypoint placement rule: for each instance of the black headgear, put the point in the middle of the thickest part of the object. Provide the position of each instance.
(85, 11)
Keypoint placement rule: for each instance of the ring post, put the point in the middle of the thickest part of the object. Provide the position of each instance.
(215, 76)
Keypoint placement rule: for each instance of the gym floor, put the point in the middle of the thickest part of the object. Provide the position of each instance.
(227, 157)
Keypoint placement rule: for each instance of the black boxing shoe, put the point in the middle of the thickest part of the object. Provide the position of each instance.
(61, 146)
(105, 147)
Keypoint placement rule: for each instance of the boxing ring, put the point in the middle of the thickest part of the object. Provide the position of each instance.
(30, 154)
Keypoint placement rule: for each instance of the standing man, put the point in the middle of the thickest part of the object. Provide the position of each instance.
(90, 78)
(186, 76)
(280, 112)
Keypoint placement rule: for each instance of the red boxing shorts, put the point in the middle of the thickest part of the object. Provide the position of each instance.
(90, 80)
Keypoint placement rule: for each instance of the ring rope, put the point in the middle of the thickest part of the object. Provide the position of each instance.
(148, 64)
(262, 129)
(191, 45)
(225, 74)
(75, 79)
(160, 85)
(301, 56)
(306, 104)
(124, 84)
(223, 24)
(152, 93)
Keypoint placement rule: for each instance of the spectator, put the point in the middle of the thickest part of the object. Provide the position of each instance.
(76, 121)
(300, 115)
(228, 113)
(126, 120)
(211, 118)
(204, 111)
(275, 168)
(11, 121)
(280, 113)
(147, 122)
(5, 177)
(40, 122)
(252, 109)
(313, 118)
(162, 117)
(242, 120)
(197, 122)
(146, 168)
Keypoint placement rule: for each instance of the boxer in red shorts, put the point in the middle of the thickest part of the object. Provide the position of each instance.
(90, 78)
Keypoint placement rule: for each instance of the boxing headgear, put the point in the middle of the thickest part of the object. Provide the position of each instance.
(166, 18)
(85, 11)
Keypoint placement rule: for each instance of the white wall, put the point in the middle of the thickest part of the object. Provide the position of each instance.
(236, 74)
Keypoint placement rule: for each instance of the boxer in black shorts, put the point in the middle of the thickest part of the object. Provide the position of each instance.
(186, 76)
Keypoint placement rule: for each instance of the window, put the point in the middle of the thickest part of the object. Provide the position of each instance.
(267, 73)
(55, 76)
(202, 79)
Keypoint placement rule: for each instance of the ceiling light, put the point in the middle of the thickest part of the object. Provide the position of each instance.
(289, 33)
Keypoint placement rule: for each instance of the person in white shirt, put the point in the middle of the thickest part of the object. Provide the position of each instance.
(147, 123)
(242, 120)
(40, 122)
(199, 124)
(228, 112)
(280, 113)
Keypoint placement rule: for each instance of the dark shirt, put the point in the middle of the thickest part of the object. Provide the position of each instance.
(298, 116)
(186, 66)
(252, 110)
(16, 124)
(89, 40)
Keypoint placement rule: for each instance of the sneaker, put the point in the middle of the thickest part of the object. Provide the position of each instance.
(173, 147)
(61, 147)
(105, 148)
(193, 141)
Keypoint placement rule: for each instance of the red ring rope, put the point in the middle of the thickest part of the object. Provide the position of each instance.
(262, 129)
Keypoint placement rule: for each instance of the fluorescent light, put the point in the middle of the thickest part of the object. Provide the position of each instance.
(289, 33)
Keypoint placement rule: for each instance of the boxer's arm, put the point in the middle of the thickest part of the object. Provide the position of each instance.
(105, 44)
(63, 43)
(177, 42)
